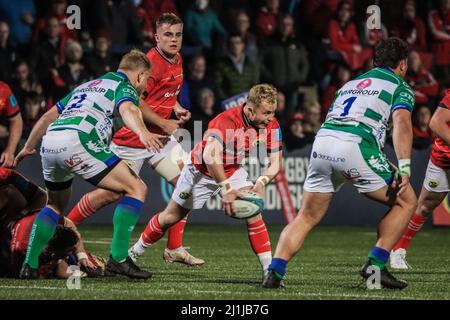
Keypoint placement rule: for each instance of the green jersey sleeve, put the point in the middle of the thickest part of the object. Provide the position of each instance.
(126, 92)
(61, 104)
(403, 98)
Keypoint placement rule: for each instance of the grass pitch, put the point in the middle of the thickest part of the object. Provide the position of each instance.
(326, 268)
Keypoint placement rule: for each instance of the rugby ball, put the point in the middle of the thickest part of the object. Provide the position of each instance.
(248, 206)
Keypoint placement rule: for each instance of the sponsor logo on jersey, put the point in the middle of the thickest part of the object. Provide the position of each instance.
(364, 84)
(53, 151)
(97, 147)
(433, 183)
(351, 174)
(94, 83)
(327, 157)
(73, 161)
(379, 163)
(92, 89)
(171, 94)
(185, 195)
(363, 92)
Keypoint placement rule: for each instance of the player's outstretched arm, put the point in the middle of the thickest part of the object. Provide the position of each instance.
(269, 173)
(439, 124)
(402, 138)
(132, 117)
(37, 133)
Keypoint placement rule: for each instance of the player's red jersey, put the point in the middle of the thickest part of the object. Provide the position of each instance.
(161, 94)
(238, 137)
(440, 154)
(8, 103)
(4, 176)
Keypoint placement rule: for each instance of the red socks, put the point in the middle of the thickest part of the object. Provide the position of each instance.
(153, 231)
(175, 236)
(259, 237)
(414, 225)
(81, 211)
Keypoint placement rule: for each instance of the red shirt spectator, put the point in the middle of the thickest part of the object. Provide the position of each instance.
(58, 10)
(267, 17)
(344, 38)
(149, 11)
(411, 28)
(319, 12)
(9, 108)
(439, 22)
(421, 80)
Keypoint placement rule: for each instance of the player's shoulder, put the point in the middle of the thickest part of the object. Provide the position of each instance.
(4, 87)
(446, 99)
(231, 118)
(5, 173)
(274, 124)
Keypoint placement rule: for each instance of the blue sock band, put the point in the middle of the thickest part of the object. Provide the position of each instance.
(49, 216)
(279, 266)
(380, 254)
(131, 204)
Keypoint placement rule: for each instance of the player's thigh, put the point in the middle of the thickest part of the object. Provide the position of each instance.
(193, 188)
(169, 161)
(122, 179)
(133, 157)
(367, 169)
(322, 177)
(388, 196)
(429, 200)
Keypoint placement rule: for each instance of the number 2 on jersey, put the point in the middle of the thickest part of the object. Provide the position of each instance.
(348, 104)
(78, 104)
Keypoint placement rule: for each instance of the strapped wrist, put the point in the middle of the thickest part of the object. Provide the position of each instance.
(82, 255)
(225, 187)
(404, 167)
(264, 180)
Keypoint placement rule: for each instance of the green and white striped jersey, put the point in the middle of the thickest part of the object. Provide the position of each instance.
(92, 105)
(363, 106)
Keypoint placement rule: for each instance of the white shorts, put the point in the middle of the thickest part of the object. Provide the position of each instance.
(135, 157)
(194, 188)
(335, 161)
(436, 178)
(65, 153)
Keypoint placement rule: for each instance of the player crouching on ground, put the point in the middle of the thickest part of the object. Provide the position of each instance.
(215, 165)
(20, 202)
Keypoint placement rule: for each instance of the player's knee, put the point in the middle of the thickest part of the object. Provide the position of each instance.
(309, 217)
(137, 189)
(408, 200)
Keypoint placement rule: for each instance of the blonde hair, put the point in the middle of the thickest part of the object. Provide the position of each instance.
(262, 93)
(135, 60)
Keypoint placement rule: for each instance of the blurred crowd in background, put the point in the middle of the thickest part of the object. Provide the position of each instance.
(306, 48)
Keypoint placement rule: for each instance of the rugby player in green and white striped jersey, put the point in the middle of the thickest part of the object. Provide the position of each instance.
(348, 148)
(77, 132)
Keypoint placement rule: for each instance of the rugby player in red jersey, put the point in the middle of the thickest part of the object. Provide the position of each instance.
(20, 202)
(215, 165)
(157, 104)
(10, 109)
(435, 185)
